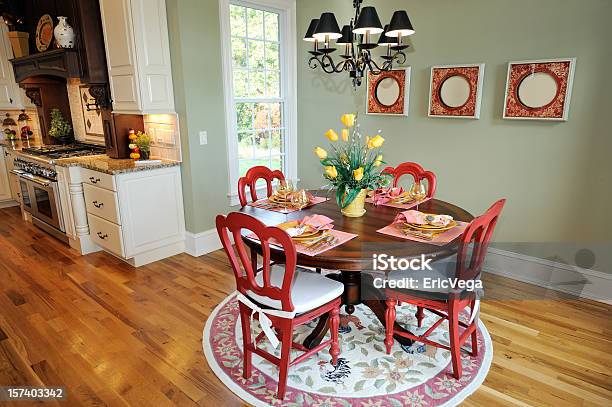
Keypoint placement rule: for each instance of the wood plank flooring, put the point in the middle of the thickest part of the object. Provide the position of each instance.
(114, 335)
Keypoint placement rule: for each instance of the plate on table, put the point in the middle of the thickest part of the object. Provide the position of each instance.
(279, 199)
(309, 232)
(44, 33)
(431, 228)
(403, 198)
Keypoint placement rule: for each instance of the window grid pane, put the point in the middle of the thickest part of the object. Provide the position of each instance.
(256, 58)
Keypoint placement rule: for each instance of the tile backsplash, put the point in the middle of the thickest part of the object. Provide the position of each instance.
(164, 132)
(87, 124)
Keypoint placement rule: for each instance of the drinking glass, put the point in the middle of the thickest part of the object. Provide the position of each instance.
(418, 192)
(299, 200)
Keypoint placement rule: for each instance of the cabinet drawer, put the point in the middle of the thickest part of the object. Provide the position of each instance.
(102, 203)
(106, 234)
(99, 179)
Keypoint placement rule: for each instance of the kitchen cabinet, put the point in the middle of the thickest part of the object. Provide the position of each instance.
(136, 216)
(11, 97)
(9, 157)
(138, 55)
(6, 192)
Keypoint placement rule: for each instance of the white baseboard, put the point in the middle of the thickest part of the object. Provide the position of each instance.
(199, 244)
(591, 284)
(157, 254)
(8, 204)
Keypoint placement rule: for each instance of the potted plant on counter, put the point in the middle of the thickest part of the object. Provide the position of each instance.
(140, 145)
(354, 166)
(60, 129)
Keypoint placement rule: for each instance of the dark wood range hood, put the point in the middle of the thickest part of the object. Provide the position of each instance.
(43, 74)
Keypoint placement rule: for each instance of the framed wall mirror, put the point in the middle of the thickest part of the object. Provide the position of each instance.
(455, 91)
(539, 90)
(388, 93)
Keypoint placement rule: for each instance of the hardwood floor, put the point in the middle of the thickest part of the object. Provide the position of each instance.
(117, 336)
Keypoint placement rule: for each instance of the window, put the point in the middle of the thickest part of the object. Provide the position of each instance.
(259, 69)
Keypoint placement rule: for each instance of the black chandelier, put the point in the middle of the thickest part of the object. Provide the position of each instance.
(356, 38)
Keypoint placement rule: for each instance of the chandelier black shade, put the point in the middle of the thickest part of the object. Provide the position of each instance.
(311, 29)
(368, 22)
(400, 25)
(327, 28)
(347, 36)
(355, 38)
(384, 40)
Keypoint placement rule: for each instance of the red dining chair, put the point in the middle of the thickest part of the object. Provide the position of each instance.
(253, 175)
(465, 265)
(284, 296)
(417, 172)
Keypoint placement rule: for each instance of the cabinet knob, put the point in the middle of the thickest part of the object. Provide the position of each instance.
(98, 205)
(102, 236)
(94, 180)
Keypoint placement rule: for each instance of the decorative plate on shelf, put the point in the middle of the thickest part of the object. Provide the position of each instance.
(44, 33)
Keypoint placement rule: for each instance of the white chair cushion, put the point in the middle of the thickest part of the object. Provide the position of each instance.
(309, 290)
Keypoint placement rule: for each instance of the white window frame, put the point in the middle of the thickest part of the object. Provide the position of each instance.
(288, 70)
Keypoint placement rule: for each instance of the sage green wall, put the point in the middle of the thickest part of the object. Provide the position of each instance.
(546, 170)
(543, 168)
(195, 46)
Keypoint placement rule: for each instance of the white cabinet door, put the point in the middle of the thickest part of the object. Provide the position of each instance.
(153, 50)
(10, 97)
(151, 206)
(138, 55)
(118, 28)
(5, 188)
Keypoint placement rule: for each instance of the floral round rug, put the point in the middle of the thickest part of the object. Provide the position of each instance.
(419, 375)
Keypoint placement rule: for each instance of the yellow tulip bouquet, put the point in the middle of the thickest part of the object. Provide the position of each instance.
(355, 162)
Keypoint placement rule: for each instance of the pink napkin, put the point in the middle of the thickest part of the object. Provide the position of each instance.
(421, 218)
(319, 222)
(384, 195)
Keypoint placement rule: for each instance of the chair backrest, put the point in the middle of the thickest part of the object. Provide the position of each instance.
(417, 172)
(253, 175)
(237, 223)
(475, 242)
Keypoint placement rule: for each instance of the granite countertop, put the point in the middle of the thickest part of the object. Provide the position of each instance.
(113, 166)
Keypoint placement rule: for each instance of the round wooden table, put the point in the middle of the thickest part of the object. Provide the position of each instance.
(355, 256)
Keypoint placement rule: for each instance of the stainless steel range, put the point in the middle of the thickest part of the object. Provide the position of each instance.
(35, 167)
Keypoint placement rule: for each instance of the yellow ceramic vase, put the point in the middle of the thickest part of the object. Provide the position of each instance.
(356, 208)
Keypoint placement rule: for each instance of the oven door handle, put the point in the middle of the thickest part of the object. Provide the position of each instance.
(29, 177)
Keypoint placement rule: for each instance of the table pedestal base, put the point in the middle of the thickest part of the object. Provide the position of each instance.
(353, 295)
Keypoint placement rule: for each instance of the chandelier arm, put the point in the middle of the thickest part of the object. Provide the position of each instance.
(335, 68)
(375, 69)
(400, 57)
(349, 65)
(342, 65)
(327, 64)
(314, 62)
